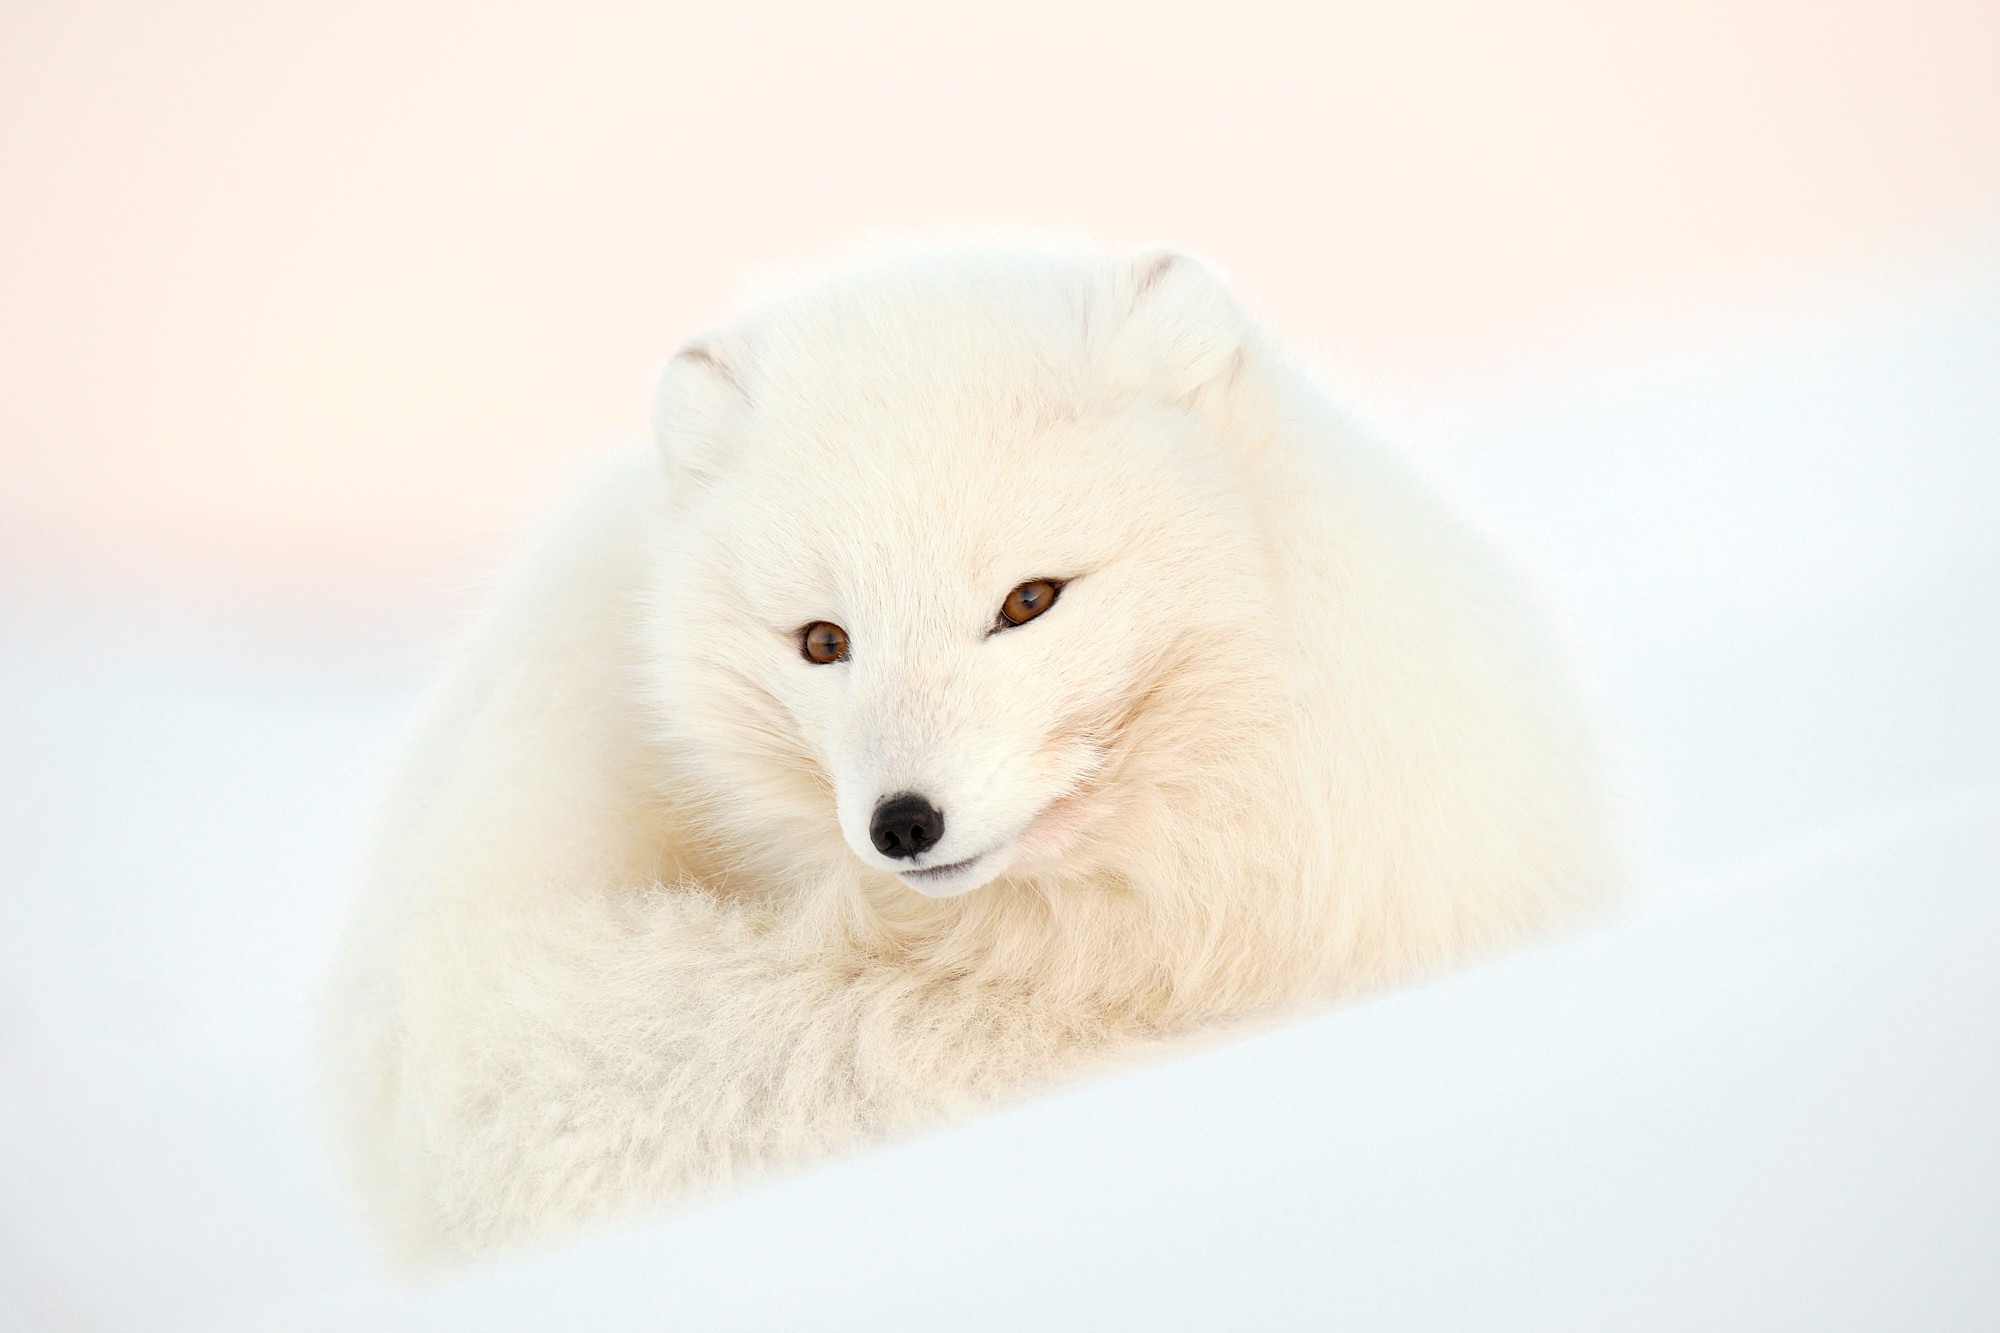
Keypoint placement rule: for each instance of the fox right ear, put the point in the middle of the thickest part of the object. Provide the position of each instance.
(700, 405)
(1178, 329)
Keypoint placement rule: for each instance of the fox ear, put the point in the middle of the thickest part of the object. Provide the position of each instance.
(699, 408)
(1180, 329)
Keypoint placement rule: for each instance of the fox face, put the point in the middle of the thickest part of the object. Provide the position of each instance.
(930, 575)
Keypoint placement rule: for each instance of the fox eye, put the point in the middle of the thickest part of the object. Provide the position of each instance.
(1026, 602)
(822, 642)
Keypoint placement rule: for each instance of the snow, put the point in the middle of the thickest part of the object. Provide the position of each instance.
(1768, 1096)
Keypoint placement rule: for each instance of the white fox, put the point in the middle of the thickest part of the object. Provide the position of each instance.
(1003, 661)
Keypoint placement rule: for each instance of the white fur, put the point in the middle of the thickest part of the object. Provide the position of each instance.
(1290, 732)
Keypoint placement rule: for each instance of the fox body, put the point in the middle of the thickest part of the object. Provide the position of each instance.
(1001, 662)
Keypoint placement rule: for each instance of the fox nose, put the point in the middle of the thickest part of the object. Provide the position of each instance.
(905, 825)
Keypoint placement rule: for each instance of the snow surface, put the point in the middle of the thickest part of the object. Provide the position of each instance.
(1768, 1097)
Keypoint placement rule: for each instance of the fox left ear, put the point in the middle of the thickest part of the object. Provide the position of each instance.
(1181, 330)
(700, 404)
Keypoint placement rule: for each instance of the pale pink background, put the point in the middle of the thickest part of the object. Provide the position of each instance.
(303, 307)
(292, 300)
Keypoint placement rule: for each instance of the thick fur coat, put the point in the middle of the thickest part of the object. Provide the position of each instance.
(1288, 732)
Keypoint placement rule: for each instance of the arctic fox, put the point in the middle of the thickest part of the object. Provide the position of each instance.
(1002, 661)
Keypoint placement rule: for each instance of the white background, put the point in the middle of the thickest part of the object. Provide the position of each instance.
(1699, 309)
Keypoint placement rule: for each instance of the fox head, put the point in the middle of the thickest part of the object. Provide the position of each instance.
(955, 550)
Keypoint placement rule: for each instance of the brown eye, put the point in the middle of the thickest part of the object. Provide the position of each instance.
(1028, 601)
(823, 642)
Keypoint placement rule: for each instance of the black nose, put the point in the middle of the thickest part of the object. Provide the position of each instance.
(905, 825)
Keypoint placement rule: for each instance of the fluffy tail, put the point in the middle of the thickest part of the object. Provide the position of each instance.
(612, 1051)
